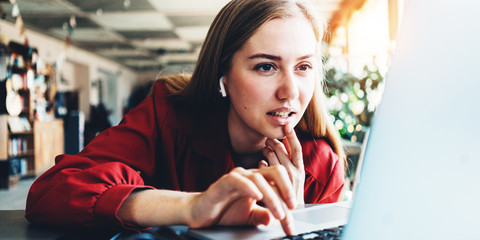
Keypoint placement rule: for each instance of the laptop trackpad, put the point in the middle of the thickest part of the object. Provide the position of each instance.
(322, 215)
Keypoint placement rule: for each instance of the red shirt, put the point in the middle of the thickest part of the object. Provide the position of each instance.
(157, 145)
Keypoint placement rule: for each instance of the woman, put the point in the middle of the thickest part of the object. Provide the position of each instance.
(204, 150)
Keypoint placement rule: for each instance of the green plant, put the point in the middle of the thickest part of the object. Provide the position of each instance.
(352, 100)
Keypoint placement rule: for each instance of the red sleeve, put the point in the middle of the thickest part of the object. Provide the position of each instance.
(324, 171)
(88, 188)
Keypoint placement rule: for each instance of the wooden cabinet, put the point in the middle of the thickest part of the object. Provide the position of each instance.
(49, 142)
(3, 137)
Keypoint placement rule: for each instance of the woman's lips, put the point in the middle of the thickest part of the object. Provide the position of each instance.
(281, 116)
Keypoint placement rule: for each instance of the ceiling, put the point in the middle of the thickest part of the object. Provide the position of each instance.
(139, 34)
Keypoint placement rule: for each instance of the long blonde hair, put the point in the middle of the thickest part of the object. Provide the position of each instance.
(230, 30)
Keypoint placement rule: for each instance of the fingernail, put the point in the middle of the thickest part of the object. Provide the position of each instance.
(262, 163)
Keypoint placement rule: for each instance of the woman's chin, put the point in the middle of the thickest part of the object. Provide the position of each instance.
(276, 134)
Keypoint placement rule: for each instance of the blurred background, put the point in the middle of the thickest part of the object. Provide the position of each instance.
(71, 68)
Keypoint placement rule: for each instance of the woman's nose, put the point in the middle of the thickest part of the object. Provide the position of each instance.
(288, 87)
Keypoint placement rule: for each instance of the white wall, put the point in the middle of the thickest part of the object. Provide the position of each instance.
(51, 50)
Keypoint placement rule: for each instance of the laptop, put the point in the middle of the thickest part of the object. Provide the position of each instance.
(421, 170)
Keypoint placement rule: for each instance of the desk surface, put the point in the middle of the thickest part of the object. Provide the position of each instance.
(13, 225)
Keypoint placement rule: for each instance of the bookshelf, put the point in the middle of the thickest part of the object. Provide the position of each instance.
(16, 151)
(30, 137)
(28, 153)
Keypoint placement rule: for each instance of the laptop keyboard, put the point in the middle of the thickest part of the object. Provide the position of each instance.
(325, 234)
(179, 232)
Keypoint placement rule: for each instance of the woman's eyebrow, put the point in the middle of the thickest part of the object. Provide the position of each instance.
(277, 58)
(267, 56)
(305, 57)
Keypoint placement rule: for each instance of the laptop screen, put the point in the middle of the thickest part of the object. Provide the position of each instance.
(420, 171)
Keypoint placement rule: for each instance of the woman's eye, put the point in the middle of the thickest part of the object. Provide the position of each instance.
(304, 67)
(265, 67)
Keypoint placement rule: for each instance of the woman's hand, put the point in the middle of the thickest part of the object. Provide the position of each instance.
(288, 154)
(232, 199)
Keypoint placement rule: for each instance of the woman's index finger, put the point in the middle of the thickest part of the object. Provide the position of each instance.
(292, 144)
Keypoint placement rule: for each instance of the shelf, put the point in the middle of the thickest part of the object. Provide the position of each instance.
(23, 91)
(29, 153)
(18, 70)
(28, 174)
(21, 133)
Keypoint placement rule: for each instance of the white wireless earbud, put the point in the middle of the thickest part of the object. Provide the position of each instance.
(222, 87)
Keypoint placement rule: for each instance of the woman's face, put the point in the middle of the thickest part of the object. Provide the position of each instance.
(272, 78)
